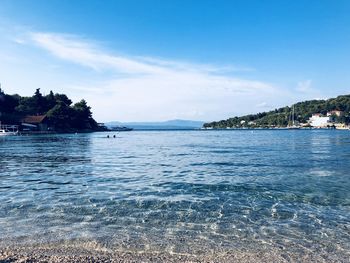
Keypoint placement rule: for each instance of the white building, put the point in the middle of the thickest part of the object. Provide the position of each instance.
(320, 122)
(338, 113)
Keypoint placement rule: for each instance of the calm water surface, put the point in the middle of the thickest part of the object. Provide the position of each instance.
(179, 191)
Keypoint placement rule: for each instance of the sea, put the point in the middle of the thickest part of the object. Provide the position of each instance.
(182, 192)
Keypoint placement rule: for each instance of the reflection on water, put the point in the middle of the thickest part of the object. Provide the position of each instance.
(185, 192)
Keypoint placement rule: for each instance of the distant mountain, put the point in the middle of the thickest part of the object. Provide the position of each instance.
(166, 125)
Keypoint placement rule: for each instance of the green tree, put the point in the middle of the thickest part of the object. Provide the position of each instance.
(38, 102)
(61, 116)
(62, 98)
(50, 101)
(82, 115)
(26, 106)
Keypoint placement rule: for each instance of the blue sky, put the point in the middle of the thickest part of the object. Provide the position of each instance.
(151, 60)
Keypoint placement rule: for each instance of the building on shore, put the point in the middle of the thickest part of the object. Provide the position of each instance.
(338, 113)
(35, 123)
(319, 121)
(341, 126)
(331, 119)
(252, 123)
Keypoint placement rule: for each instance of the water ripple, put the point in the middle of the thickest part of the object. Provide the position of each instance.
(185, 192)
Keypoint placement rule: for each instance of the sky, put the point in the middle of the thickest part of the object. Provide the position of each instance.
(156, 60)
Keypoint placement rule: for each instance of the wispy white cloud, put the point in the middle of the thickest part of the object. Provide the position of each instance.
(148, 88)
(76, 50)
(183, 65)
(82, 52)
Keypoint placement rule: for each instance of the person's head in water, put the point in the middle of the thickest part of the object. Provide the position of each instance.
(113, 136)
(107, 136)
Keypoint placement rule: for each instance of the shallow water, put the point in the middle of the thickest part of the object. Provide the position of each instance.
(179, 191)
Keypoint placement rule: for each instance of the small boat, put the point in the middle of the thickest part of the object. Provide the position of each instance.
(293, 126)
(120, 128)
(4, 132)
(8, 130)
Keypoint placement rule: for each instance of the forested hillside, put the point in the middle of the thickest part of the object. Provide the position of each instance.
(282, 116)
(61, 113)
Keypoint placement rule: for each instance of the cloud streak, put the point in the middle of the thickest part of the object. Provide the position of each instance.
(84, 53)
(148, 88)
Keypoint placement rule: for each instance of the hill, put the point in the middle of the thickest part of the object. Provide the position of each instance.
(59, 111)
(166, 125)
(282, 117)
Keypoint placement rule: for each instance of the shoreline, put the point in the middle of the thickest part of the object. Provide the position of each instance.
(93, 253)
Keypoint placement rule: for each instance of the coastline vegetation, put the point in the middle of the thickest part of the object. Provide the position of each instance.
(282, 117)
(62, 115)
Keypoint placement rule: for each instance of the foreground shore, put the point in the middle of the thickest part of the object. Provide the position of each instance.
(61, 253)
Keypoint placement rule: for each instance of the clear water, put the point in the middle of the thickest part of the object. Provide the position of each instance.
(179, 191)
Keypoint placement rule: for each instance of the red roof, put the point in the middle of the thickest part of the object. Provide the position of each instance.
(34, 119)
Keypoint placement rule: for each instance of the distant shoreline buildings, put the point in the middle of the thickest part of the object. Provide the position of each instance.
(333, 113)
(318, 120)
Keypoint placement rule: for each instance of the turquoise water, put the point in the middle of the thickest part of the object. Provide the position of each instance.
(179, 191)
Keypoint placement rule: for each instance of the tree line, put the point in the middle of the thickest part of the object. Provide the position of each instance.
(60, 111)
(282, 117)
